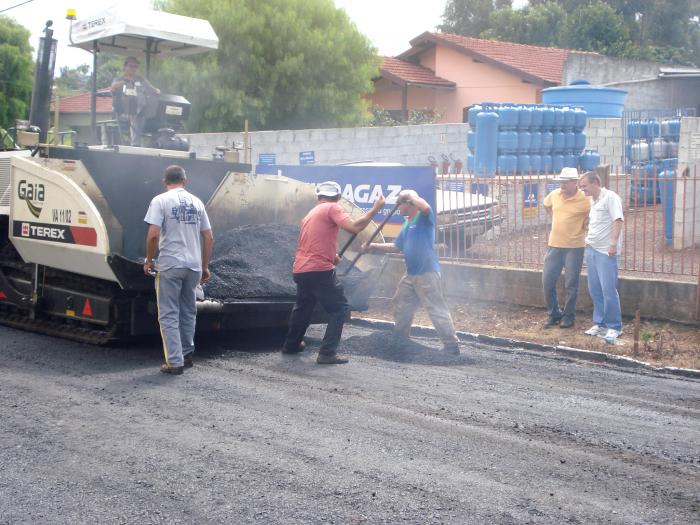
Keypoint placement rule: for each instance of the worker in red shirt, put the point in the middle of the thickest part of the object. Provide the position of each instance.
(314, 271)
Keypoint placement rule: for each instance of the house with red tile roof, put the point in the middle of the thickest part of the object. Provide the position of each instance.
(445, 73)
(74, 112)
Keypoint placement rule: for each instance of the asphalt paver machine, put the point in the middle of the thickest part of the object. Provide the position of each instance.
(72, 235)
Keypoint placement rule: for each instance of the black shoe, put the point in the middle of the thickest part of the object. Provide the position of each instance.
(451, 349)
(566, 323)
(189, 362)
(173, 370)
(552, 322)
(300, 348)
(331, 359)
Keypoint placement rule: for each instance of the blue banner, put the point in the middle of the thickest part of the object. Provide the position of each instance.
(307, 157)
(363, 184)
(267, 158)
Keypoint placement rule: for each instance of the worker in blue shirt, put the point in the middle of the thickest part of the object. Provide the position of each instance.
(421, 284)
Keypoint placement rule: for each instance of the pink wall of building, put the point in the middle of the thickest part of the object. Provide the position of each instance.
(476, 82)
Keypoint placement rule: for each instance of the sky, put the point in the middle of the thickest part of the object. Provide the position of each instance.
(389, 24)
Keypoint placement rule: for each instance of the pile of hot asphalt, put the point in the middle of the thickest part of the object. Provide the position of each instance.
(255, 262)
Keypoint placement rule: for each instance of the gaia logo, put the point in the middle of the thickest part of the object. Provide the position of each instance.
(33, 195)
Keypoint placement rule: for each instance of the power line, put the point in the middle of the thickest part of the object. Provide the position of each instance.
(8, 8)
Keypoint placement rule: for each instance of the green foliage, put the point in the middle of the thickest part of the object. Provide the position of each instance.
(16, 72)
(534, 25)
(280, 64)
(596, 27)
(467, 17)
(659, 30)
(76, 80)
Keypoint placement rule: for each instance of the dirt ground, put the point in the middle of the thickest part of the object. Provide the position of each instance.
(660, 343)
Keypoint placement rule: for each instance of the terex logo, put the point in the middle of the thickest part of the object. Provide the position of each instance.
(25, 229)
(47, 232)
(33, 195)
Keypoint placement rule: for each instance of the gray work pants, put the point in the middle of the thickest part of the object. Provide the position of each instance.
(425, 289)
(177, 312)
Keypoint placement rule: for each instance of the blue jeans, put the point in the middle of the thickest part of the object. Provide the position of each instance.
(571, 260)
(602, 286)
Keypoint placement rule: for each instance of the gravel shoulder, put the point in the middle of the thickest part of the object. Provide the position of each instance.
(661, 343)
(97, 435)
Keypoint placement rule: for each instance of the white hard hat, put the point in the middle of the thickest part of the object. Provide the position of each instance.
(328, 189)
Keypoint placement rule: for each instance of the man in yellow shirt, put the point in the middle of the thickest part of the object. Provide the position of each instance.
(569, 208)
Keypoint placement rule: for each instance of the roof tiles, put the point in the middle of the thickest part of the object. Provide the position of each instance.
(545, 63)
(413, 73)
(81, 103)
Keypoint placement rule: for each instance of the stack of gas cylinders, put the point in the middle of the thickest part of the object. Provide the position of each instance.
(527, 139)
(652, 154)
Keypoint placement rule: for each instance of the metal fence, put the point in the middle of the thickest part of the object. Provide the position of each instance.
(501, 220)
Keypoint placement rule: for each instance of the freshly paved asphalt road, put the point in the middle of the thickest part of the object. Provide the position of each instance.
(97, 435)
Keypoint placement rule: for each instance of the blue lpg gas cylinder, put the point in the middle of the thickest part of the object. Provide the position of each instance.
(570, 160)
(537, 118)
(523, 164)
(579, 142)
(559, 143)
(548, 118)
(569, 141)
(559, 119)
(536, 141)
(557, 163)
(472, 113)
(569, 119)
(589, 160)
(486, 143)
(471, 163)
(507, 164)
(546, 164)
(508, 117)
(547, 141)
(524, 141)
(524, 118)
(536, 163)
(580, 119)
(471, 141)
(507, 142)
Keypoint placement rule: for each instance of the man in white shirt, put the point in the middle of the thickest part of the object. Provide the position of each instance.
(603, 244)
(180, 229)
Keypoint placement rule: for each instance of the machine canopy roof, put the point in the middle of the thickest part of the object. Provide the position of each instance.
(143, 32)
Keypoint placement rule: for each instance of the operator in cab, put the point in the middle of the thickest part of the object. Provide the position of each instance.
(130, 92)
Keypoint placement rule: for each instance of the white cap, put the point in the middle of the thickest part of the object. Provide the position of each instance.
(567, 174)
(328, 189)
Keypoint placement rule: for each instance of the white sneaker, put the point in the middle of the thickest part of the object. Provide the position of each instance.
(611, 335)
(595, 330)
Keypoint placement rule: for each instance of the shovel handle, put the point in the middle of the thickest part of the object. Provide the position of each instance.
(372, 237)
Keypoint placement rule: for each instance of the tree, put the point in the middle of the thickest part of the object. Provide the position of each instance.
(596, 27)
(16, 72)
(539, 25)
(280, 64)
(467, 17)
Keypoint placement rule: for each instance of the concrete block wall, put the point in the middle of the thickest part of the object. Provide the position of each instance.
(411, 145)
(688, 193)
(605, 135)
(655, 299)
